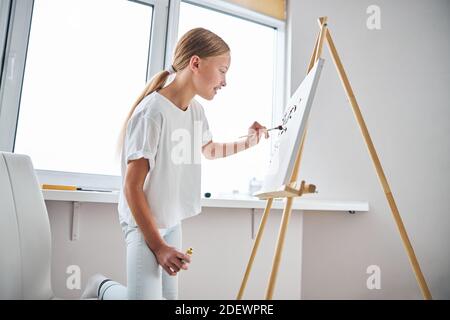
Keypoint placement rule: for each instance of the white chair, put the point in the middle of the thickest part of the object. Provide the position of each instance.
(25, 238)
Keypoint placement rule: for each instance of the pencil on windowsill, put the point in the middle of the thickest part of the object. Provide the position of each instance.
(69, 188)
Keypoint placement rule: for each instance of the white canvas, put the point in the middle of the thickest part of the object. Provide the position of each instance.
(287, 143)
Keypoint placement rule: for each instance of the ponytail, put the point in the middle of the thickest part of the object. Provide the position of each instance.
(156, 83)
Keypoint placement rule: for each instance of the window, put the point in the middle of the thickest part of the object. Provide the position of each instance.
(73, 68)
(86, 64)
(248, 96)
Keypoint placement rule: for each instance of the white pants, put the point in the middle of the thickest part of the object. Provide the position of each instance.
(145, 277)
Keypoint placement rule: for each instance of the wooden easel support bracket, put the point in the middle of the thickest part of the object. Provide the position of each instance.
(304, 188)
(290, 190)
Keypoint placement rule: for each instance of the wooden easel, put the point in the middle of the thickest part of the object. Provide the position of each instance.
(291, 191)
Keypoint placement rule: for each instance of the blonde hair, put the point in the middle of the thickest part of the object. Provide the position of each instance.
(198, 41)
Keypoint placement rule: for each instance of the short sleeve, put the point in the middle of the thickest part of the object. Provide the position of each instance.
(142, 139)
(206, 132)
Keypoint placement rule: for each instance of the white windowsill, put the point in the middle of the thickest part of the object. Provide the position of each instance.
(230, 201)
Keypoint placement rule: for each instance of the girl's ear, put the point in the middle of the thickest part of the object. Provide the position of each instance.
(194, 63)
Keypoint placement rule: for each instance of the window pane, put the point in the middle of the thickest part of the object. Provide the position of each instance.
(247, 97)
(86, 64)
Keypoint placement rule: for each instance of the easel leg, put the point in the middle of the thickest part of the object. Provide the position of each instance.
(279, 248)
(379, 169)
(288, 207)
(255, 248)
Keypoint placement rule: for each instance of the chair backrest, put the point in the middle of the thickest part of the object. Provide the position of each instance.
(25, 238)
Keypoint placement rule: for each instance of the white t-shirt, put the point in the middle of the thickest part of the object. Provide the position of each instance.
(171, 139)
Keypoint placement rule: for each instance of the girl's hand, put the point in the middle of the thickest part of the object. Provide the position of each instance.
(256, 131)
(171, 260)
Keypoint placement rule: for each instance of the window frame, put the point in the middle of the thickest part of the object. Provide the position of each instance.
(18, 31)
(280, 91)
(4, 23)
(13, 72)
(14, 38)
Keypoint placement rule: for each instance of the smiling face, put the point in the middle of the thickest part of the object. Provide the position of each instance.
(209, 74)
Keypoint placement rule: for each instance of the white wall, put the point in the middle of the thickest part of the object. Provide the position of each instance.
(400, 75)
(222, 242)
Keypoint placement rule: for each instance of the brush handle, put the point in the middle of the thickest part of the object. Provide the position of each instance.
(249, 135)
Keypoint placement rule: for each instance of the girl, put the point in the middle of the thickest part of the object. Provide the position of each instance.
(162, 140)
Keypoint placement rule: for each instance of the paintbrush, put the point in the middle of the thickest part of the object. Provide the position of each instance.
(280, 127)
